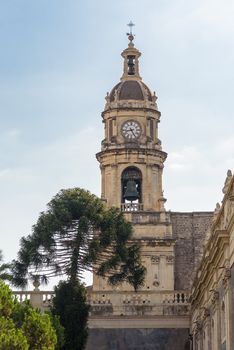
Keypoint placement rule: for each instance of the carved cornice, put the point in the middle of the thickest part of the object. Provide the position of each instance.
(156, 242)
(135, 150)
(129, 107)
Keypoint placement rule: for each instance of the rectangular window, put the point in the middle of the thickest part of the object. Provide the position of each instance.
(151, 121)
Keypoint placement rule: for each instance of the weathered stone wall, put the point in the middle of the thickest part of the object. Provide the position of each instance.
(232, 305)
(189, 230)
(138, 339)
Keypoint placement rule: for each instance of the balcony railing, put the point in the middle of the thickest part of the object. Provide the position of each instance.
(128, 207)
(39, 299)
(105, 303)
(147, 303)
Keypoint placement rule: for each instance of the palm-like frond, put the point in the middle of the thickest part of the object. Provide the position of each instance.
(75, 234)
(5, 273)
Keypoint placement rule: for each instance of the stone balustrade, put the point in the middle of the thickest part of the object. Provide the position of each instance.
(129, 207)
(39, 299)
(178, 298)
(120, 303)
(140, 303)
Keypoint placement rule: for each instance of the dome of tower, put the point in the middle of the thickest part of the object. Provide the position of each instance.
(131, 90)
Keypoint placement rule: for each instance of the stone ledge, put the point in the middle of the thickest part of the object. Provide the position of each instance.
(135, 322)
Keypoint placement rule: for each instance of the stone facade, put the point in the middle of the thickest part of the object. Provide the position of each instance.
(188, 231)
(138, 339)
(212, 318)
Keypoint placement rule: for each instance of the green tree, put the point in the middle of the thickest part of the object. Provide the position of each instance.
(7, 301)
(11, 338)
(21, 326)
(78, 233)
(39, 331)
(59, 329)
(5, 273)
(70, 304)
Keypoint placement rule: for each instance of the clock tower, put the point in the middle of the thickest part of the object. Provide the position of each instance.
(131, 162)
(131, 158)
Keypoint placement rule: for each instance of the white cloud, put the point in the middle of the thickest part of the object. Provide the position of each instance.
(185, 160)
(26, 189)
(225, 147)
(13, 133)
(4, 173)
(216, 12)
(194, 177)
(10, 137)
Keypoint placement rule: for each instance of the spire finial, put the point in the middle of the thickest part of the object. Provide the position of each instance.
(130, 34)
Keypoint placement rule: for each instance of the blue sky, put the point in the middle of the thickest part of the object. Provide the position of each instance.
(57, 61)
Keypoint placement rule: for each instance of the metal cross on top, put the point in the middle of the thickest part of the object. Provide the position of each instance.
(130, 24)
(130, 35)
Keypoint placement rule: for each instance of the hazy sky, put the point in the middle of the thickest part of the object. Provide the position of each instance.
(58, 58)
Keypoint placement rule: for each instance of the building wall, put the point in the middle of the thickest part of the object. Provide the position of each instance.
(138, 339)
(232, 309)
(212, 300)
(189, 231)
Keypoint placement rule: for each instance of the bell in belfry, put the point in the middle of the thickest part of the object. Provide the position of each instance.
(131, 193)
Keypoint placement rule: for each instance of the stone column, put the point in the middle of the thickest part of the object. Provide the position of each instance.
(170, 260)
(206, 329)
(198, 336)
(102, 168)
(115, 186)
(228, 308)
(209, 340)
(216, 318)
(36, 297)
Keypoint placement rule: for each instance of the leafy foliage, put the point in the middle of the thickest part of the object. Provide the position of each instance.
(21, 326)
(70, 304)
(39, 331)
(59, 329)
(10, 337)
(7, 302)
(5, 273)
(79, 233)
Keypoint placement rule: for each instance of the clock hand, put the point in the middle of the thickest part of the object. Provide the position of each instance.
(133, 132)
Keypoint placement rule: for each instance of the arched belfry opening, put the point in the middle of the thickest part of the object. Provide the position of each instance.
(131, 64)
(131, 189)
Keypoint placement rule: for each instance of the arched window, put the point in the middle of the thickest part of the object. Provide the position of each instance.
(131, 188)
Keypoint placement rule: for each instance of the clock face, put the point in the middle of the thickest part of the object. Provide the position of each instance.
(131, 130)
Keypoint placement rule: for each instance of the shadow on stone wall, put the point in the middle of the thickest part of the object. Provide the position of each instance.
(138, 339)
